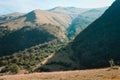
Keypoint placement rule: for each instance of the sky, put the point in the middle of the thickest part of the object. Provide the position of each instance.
(24, 6)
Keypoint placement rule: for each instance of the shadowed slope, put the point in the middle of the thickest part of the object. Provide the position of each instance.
(23, 38)
(100, 41)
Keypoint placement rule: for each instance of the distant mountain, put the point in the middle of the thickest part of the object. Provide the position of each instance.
(11, 16)
(93, 47)
(71, 11)
(96, 12)
(83, 20)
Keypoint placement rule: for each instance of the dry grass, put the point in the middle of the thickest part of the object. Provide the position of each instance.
(95, 74)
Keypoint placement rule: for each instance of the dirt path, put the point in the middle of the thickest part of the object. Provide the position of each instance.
(95, 74)
(43, 62)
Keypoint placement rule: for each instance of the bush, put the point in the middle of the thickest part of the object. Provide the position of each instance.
(13, 68)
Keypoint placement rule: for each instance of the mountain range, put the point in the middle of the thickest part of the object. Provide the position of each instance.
(29, 38)
(41, 24)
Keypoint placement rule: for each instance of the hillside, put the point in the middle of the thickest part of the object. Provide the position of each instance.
(83, 20)
(11, 16)
(95, 74)
(26, 37)
(93, 47)
(31, 29)
(100, 40)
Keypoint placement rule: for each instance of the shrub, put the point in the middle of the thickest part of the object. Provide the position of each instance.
(13, 68)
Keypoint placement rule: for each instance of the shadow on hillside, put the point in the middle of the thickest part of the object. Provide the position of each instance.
(23, 38)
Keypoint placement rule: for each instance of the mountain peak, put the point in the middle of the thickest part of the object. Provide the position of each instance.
(38, 11)
(35, 14)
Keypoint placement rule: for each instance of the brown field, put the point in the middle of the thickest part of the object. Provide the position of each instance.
(94, 74)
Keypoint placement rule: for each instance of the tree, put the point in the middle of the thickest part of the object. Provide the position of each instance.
(111, 62)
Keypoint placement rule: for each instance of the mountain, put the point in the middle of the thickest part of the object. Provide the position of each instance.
(96, 12)
(38, 18)
(30, 29)
(93, 47)
(25, 40)
(43, 26)
(53, 16)
(11, 16)
(83, 20)
(41, 17)
(48, 25)
(71, 11)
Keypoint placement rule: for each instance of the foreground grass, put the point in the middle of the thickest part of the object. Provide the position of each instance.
(94, 74)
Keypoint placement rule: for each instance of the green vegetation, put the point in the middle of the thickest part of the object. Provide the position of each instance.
(29, 58)
(3, 31)
(12, 68)
(25, 37)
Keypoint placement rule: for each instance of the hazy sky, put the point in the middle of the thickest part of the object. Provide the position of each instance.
(8, 6)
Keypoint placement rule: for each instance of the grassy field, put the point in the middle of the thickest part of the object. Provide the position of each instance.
(93, 74)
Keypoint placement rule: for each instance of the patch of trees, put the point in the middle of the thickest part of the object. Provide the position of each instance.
(25, 37)
(30, 57)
